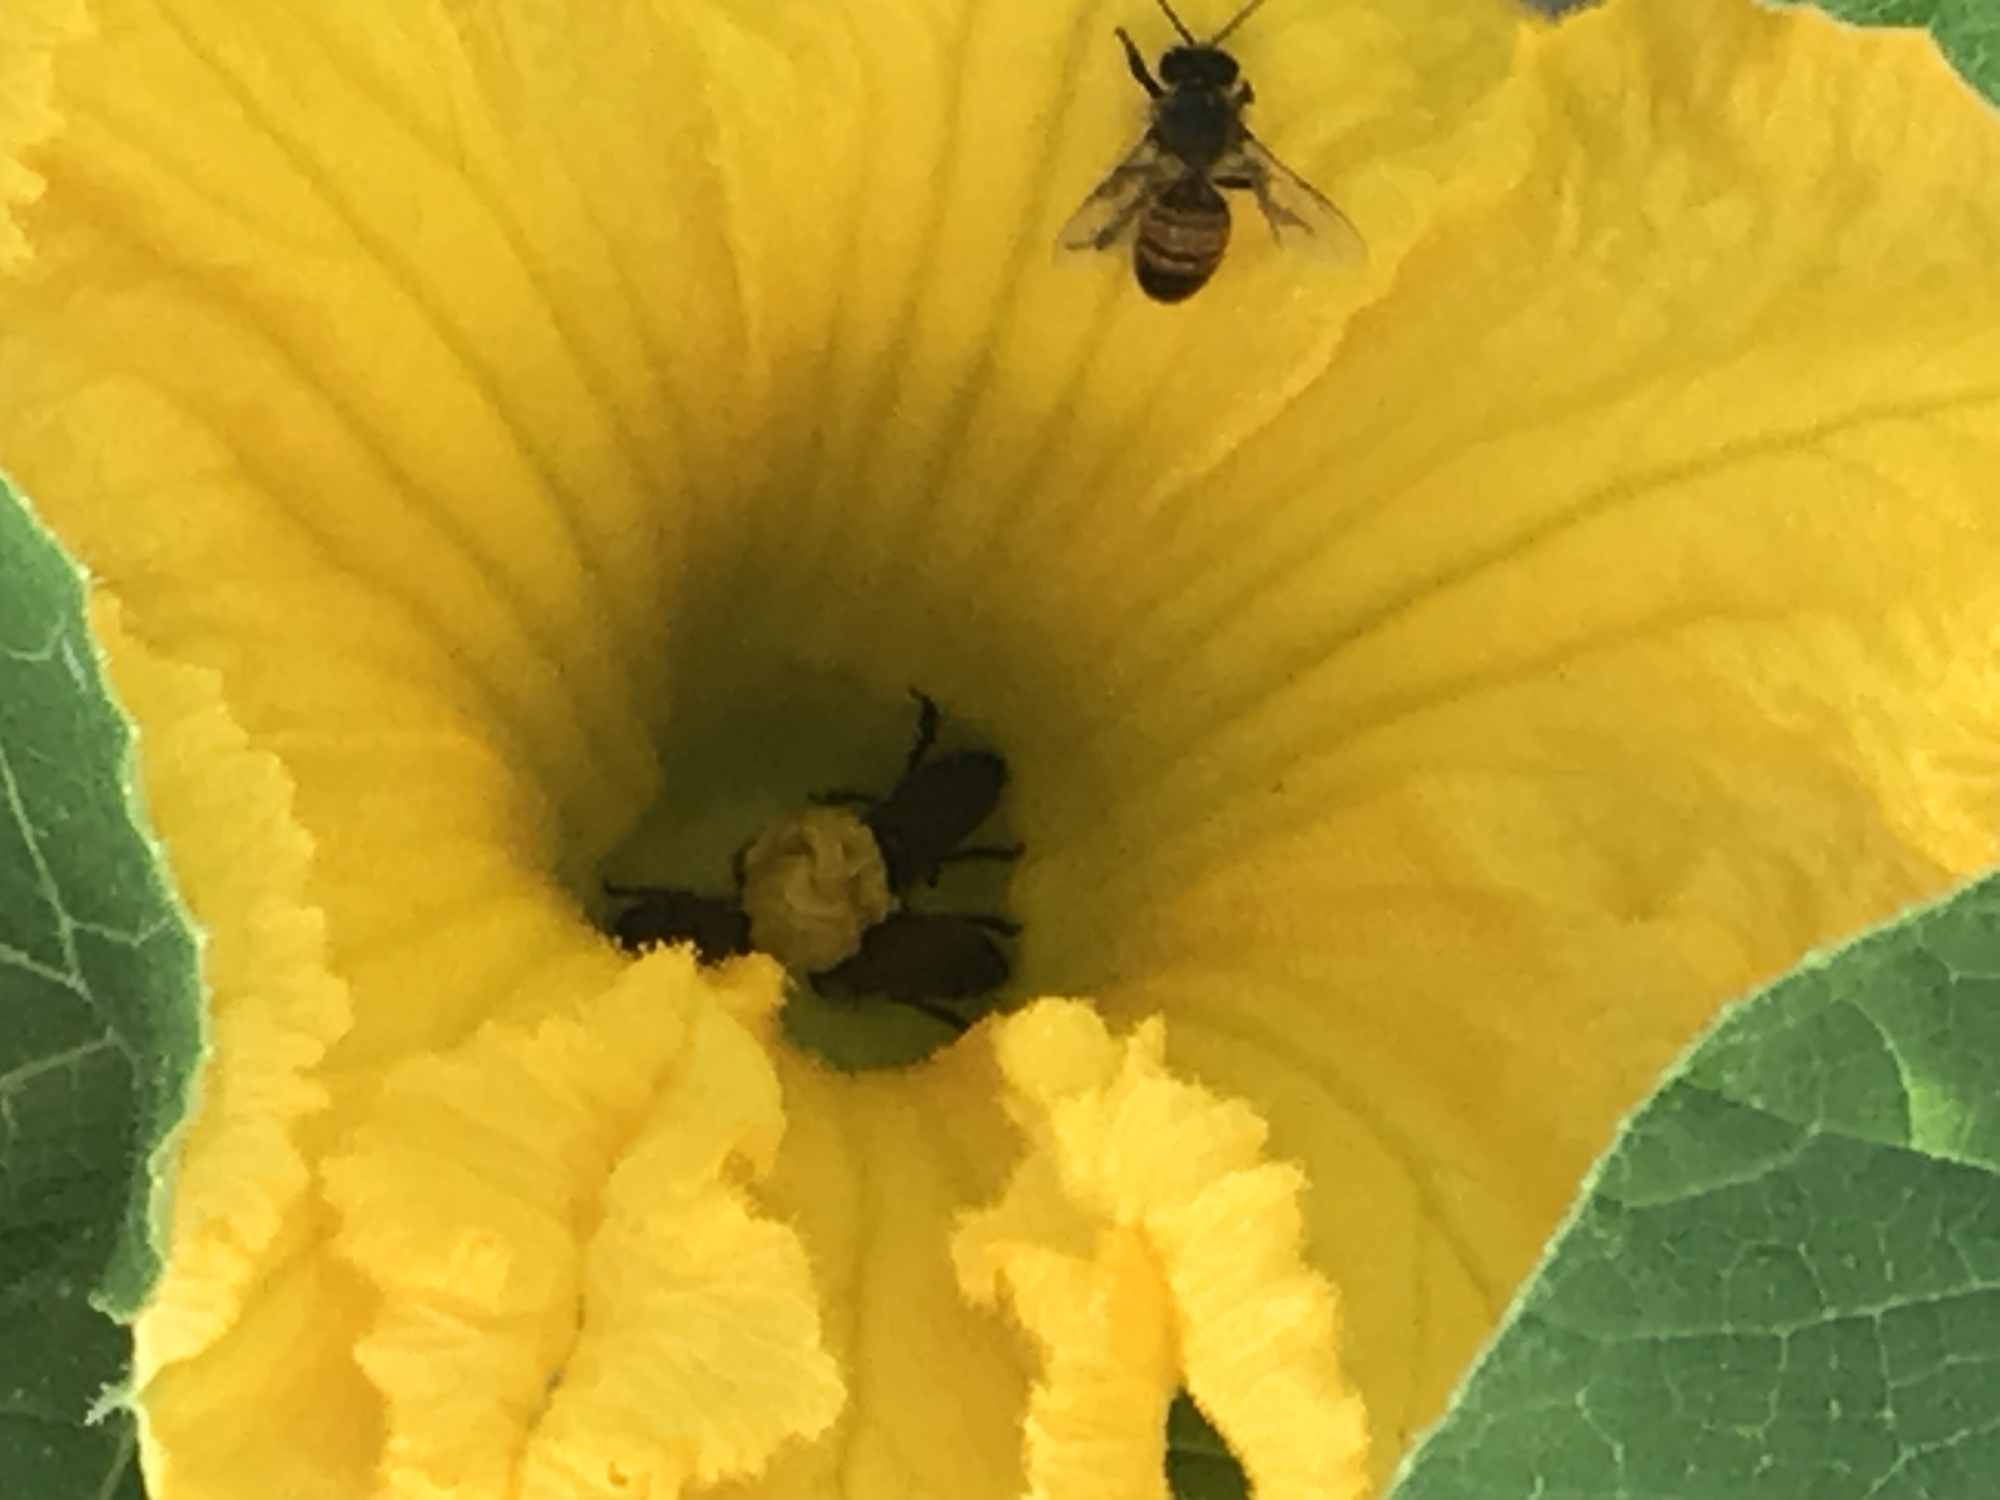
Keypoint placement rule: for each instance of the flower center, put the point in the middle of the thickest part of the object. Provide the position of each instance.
(826, 888)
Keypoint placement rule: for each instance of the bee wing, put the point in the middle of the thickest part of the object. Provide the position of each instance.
(1297, 212)
(920, 955)
(718, 928)
(1113, 205)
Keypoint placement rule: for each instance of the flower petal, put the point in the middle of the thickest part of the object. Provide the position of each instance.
(1596, 602)
(34, 30)
(274, 1009)
(570, 1288)
(1605, 628)
(242, 1200)
(1145, 1245)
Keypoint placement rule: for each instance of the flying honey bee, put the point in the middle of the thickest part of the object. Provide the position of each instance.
(1197, 143)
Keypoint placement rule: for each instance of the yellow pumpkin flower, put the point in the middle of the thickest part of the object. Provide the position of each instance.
(523, 446)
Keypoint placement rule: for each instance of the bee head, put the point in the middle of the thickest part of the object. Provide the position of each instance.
(1197, 67)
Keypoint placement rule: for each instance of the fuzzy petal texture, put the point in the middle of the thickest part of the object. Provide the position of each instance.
(242, 1201)
(1147, 1246)
(576, 1293)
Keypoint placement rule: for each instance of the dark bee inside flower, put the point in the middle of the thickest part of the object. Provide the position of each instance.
(839, 890)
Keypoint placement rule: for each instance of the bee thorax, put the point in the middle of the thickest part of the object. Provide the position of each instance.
(813, 883)
(1197, 127)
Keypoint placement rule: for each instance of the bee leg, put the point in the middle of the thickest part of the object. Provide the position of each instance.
(982, 851)
(1137, 63)
(927, 728)
(991, 923)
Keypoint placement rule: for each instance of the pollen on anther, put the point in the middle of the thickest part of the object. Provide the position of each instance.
(813, 883)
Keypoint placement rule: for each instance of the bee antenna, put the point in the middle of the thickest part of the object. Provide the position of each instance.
(1186, 35)
(1237, 20)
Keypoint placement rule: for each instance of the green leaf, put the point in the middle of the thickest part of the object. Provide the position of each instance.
(100, 1033)
(1199, 1463)
(1784, 1278)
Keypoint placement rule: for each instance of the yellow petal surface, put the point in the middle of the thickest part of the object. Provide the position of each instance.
(242, 1201)
(465, 1201)
(567, 1198)
(32, 31)
(1606, 627)
(231, 183)
(1146, 1245)
(498, 399)
(1433, 685)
